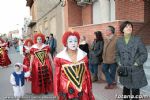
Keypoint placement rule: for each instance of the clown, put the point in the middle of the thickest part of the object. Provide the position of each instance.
(17, 80)
(72, 77)
(4, 59)
(41, 66)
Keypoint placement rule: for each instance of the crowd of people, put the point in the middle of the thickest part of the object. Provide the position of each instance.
(76, 67)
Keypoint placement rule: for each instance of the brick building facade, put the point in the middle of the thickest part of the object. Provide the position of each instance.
(47, 17)
(111, 12)
(89, 17)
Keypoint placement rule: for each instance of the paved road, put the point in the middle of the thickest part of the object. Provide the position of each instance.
(6, 92)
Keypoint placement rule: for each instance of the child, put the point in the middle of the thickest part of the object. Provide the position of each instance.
(17, 79)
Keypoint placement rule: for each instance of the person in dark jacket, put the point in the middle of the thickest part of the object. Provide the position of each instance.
(95, 55)
(131, 53)
(83, 45)
(46, 41)
(52, 44)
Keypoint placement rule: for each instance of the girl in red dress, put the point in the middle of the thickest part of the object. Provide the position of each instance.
(72, 80)
(41, 66)
(4, 59)
(26, 51)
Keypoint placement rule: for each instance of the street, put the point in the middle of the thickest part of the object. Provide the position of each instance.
(101, 28)
(6, 91)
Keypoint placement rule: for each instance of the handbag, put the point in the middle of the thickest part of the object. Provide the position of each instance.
(122, 71)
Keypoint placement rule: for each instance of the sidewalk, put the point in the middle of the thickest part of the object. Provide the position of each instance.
(110, 94)
(105, 94)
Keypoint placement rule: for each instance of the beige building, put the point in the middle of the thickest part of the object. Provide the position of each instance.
(47, 17)
(25, 30)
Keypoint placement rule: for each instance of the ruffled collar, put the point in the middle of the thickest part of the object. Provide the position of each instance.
(64, 55)
(35, 46)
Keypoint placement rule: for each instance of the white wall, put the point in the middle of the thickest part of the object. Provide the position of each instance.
(103, 11)
(96, 12)
(112, 10)
(53, 25)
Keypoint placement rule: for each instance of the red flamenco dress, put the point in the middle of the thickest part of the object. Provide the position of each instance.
(4, 59)
(26, 60)
(72, 79)
(42, 76)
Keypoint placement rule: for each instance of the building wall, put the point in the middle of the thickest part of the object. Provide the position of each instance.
(88, 30)
(33, 11)
(50, 21)
(130, 10)
(103, 11)
(147, 11)
(144, 33)
(96, 13)
(43, 7)
(53, 25)
(82, 18)
(136, 10)
(48, 15)
(74, 14)
(112, 10)
(25, 29)
(34, 29)
(87, 15)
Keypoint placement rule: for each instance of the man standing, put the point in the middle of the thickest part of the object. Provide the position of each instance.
(109, 64)
(52, 44)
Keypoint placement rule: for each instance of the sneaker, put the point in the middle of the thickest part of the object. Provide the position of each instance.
(94, 78)
(109, 86)
(114, 83)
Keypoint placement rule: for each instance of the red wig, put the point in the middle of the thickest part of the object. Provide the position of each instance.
(67, 34)
(39, 35)
(2, 40)
(28, 40)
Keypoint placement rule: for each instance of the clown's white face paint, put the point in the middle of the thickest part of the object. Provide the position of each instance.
(72, 42)
(39, 39)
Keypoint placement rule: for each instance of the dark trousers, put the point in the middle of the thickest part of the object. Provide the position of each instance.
(134, 92)
(52, 52)
(94, 69)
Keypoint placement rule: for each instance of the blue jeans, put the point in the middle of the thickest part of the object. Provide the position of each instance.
(110, 72)
(94, 68)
